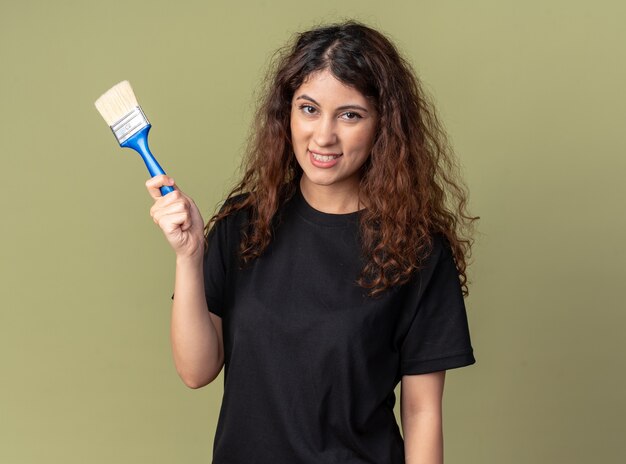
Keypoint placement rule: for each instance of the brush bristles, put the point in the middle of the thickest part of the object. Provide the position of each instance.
(117, 102)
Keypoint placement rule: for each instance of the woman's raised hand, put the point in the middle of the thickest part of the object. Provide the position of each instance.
(178, 217)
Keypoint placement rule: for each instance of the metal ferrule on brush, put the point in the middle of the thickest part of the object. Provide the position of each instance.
(129, 125)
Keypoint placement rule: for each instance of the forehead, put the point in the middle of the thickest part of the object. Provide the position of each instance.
(324, 87)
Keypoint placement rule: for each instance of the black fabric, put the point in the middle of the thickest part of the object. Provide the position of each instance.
(311, 362)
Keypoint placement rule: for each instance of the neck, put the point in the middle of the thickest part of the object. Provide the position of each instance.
(332, 199)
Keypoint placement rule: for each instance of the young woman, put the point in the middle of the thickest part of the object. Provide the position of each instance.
(334, 270)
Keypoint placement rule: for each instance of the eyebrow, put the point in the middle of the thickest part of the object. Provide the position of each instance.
(341, 108)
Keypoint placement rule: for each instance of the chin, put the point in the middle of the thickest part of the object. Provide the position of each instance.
(321, 182)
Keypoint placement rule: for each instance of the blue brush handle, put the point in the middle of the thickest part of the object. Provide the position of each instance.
(139, 143)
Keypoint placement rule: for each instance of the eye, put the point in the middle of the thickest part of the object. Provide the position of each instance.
(307, 109)
(351, 116)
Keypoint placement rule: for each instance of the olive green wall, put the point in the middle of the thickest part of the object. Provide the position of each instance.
(532, 94)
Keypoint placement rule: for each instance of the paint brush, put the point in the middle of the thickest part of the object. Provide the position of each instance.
(119, 108)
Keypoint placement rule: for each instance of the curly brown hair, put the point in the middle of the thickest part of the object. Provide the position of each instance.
(411, 179)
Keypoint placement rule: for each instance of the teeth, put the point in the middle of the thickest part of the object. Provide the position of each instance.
(324, 158)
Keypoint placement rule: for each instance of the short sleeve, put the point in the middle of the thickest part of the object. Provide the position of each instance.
(215, 266)
(438, 337)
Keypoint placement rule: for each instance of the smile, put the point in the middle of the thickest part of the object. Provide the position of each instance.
(324, 158)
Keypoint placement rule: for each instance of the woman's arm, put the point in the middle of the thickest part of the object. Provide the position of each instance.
(196, 334)
(421, 405)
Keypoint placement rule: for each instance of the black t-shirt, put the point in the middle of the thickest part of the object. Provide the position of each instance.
(311, 362)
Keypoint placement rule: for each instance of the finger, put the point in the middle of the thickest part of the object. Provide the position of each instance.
(186, 225)
(164, 206)
(160, 180)
(155, 183)
(189, 203)
(172, 222)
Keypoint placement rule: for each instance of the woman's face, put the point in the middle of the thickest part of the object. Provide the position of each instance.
(332, 130)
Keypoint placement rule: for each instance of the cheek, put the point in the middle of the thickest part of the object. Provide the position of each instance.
(363, 141)
(292, 128)
(298, 133)
(295, 129)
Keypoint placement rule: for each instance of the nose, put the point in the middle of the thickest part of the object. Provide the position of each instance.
(325, 132)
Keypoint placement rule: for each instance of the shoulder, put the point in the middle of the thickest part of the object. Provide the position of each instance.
(439, 248)
(438, 259)
(231, 217)
(235, 200)
(234, 204)
(234, 210)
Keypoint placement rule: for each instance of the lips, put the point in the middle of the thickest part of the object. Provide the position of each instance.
(325, 157)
